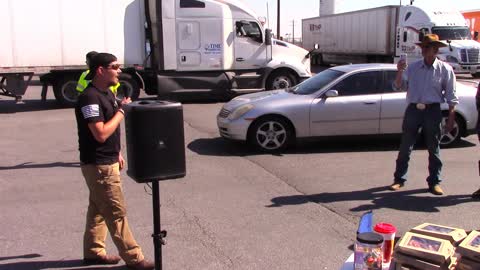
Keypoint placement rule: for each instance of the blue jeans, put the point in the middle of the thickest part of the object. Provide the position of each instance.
(430, 120)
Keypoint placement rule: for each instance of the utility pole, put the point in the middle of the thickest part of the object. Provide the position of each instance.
(293, 31)
(278, 19)
(268, 17)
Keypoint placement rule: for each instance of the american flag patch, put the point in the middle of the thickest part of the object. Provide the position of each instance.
(92, 110)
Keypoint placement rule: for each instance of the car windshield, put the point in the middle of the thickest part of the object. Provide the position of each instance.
(317, 82)
(452, 33)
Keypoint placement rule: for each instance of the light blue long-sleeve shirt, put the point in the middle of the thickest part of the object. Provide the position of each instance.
(429, 84)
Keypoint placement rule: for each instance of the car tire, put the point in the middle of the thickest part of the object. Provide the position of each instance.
(281, 79)
(454, 136)
(271, 134)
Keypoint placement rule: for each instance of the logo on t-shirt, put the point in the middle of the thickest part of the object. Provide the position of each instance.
(92, 110)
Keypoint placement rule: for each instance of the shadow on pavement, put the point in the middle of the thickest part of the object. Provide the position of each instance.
(223, 147)
(10, 106)
(60, 264)
(379, 197)
(26, 256)
(219, 147)
(31, 165)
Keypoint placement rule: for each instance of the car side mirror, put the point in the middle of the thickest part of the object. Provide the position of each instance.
(331, 93)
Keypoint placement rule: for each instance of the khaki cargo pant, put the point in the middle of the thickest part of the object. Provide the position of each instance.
(107, 212)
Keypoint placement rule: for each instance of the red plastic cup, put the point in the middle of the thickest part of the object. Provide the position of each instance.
(388, 232)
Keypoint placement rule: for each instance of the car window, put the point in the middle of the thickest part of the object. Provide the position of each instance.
(364, 83)
(317, 82)
(388, 83)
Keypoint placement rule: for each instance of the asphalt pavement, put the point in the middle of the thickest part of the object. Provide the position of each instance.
(220, 216)
(235, 209)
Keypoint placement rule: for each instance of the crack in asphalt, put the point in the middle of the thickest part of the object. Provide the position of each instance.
(212, 243)
(280, 178)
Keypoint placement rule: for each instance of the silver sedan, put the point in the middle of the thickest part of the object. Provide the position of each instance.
(343, 100)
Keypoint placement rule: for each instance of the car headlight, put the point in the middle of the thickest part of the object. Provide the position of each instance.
(238, 112)
(451, 59)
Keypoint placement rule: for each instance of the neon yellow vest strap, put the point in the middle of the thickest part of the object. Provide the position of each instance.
(82, 83)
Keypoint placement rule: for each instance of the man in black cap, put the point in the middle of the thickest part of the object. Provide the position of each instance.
(98, 120)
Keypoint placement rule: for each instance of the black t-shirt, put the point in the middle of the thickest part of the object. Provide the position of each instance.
(93, 106)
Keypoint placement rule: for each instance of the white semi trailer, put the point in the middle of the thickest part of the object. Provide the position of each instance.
(166, 47)
(382, 34)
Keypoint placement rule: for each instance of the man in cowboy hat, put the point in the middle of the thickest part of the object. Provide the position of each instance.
(428, 82)
(476, 194)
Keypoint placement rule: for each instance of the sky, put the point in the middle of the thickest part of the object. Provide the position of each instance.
(293, 11)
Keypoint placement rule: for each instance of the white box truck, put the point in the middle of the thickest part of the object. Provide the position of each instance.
(204, 47)
(382, 34)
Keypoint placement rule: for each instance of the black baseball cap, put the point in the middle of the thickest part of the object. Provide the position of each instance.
(90, 55)
(99, 60)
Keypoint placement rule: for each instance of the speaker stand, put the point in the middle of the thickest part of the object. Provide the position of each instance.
(158, 234)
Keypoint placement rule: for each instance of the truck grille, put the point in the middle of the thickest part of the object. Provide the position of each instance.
(224, 113)
(470, 55)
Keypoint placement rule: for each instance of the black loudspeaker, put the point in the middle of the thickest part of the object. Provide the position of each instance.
(155, 140)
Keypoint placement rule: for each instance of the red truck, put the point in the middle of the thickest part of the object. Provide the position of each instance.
(473, 20)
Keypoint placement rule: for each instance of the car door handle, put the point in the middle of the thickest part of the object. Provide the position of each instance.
(369, 102)
(240, 59)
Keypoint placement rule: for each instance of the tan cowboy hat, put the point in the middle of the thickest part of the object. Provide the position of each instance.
(431, 40)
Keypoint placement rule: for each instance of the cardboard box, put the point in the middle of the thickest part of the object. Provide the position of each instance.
(470, 246)
(467, 264)
(405, 261)
(454, 235)
(430, 249)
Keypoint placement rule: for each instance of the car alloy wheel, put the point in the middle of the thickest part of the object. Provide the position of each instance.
(271, 134)
(451, 137)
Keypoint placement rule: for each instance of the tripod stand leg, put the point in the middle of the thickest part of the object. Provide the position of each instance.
(158, 234)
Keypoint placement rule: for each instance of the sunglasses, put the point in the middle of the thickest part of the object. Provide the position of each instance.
(113, 66)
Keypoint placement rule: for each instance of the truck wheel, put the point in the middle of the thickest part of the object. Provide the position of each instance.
(281, 79)
(476, 75)
(65, 91)
(128, 86)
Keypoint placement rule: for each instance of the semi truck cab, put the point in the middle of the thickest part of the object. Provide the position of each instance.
(218, 46)
(462, 52)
